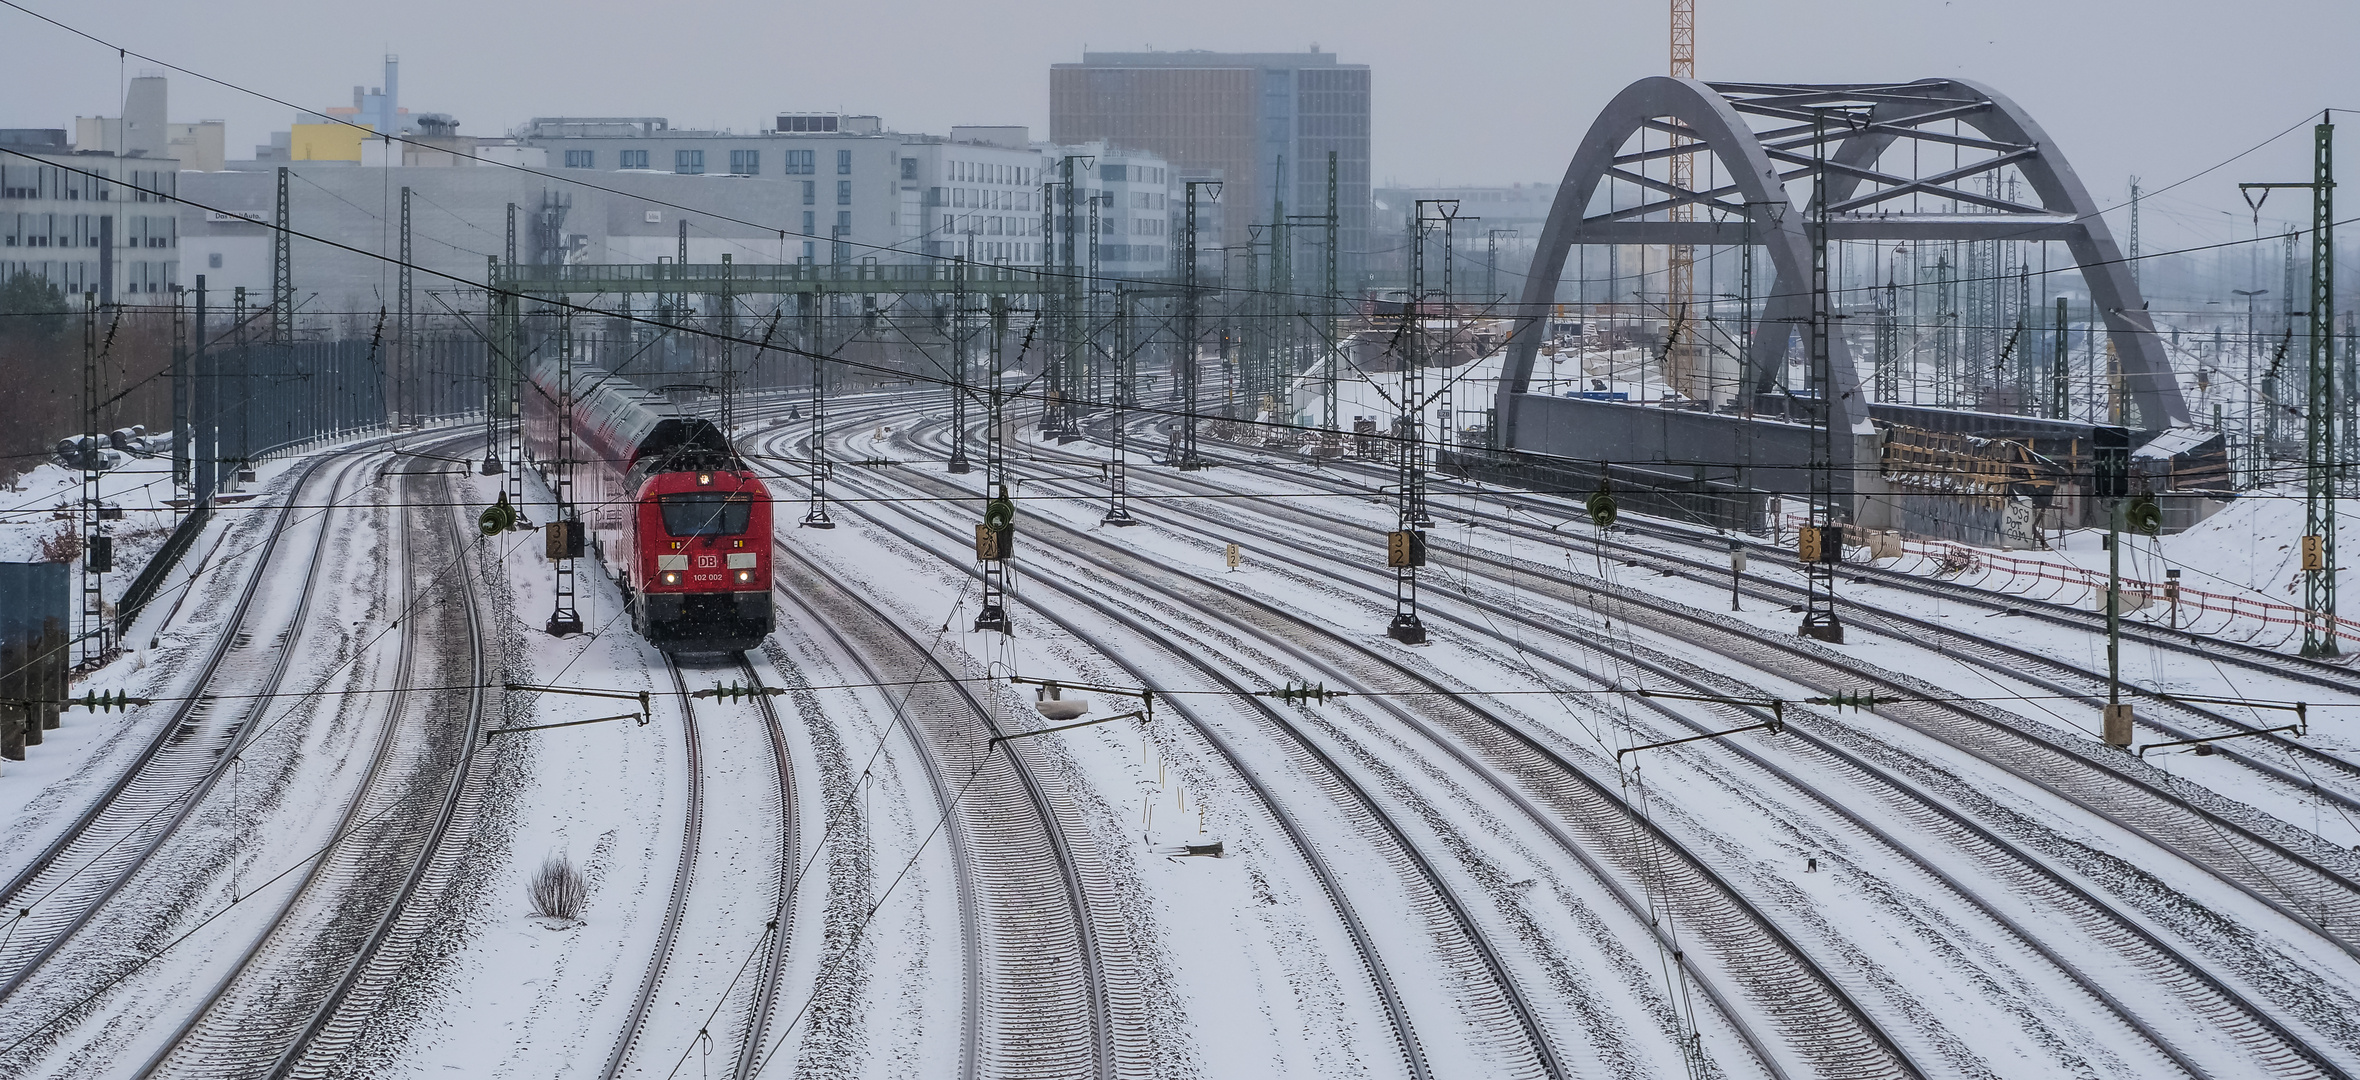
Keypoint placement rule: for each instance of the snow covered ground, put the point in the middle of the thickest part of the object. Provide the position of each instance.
(1446, 870)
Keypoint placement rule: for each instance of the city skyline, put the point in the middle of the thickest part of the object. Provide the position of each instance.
(2081, 70)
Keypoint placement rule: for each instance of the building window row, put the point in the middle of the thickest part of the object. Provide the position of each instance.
(83, 231)
(1117, 253)
(1135, 174)
(74, 278)
(634, 159)
(990, 225)
(581, 159)
(982, 199)
(991, 172)
(799, 163)
(688, 162)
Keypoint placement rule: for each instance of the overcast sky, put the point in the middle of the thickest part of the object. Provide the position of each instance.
(1481, 92)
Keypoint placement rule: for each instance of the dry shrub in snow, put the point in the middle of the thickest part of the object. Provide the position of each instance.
(64, 546)
(558, 890)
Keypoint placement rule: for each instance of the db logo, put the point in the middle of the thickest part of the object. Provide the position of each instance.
(708, 562)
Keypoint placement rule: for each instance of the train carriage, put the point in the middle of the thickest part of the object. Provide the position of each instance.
(671, 510)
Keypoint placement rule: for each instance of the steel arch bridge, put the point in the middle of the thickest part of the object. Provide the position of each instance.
(1766, 136)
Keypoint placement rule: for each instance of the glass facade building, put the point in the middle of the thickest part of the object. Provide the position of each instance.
(1250, 118)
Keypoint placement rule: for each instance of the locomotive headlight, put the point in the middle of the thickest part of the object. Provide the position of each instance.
(745, 576)
(705, 479)
(671, 577)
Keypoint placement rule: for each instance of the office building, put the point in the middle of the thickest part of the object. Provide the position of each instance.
(1249, 118)
(859, 192)
(1132, 190)
(1494, 234)
(975, 194)
(96, 221)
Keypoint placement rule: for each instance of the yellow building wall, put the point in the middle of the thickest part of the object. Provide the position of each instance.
(326, 142)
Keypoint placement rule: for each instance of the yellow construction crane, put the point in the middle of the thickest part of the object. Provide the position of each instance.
(1680, 283)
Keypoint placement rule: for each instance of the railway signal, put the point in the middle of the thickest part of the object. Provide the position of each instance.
(1816, 544)
(995, 538)
(1736, 570)
(995, 541)
(2110, 480)
(1405, 549)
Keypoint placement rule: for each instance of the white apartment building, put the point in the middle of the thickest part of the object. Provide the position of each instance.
(974, 194)
(864, 193)
(1136, 219)
(856, 193)
(88, 222)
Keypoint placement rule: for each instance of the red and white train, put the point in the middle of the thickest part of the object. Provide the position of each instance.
(669, 507)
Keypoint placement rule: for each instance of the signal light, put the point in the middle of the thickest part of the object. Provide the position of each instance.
(995, 539)
(2110, 462)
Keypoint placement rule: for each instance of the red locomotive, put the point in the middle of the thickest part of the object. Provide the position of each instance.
(669, 507)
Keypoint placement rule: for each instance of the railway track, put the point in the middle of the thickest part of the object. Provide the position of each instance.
(1782, 993)
(373, 974)
(750, 1002)
(1046, 986)
(2310, 892)
(683, 879)
(2321, 674)
(2272, 1048)
(259, 1019)
(2265, 1046)
(1582, 817)
(2173, 720)
(66, 885)
(767, 975)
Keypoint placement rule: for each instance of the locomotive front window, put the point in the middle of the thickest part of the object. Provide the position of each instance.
(701, 514)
